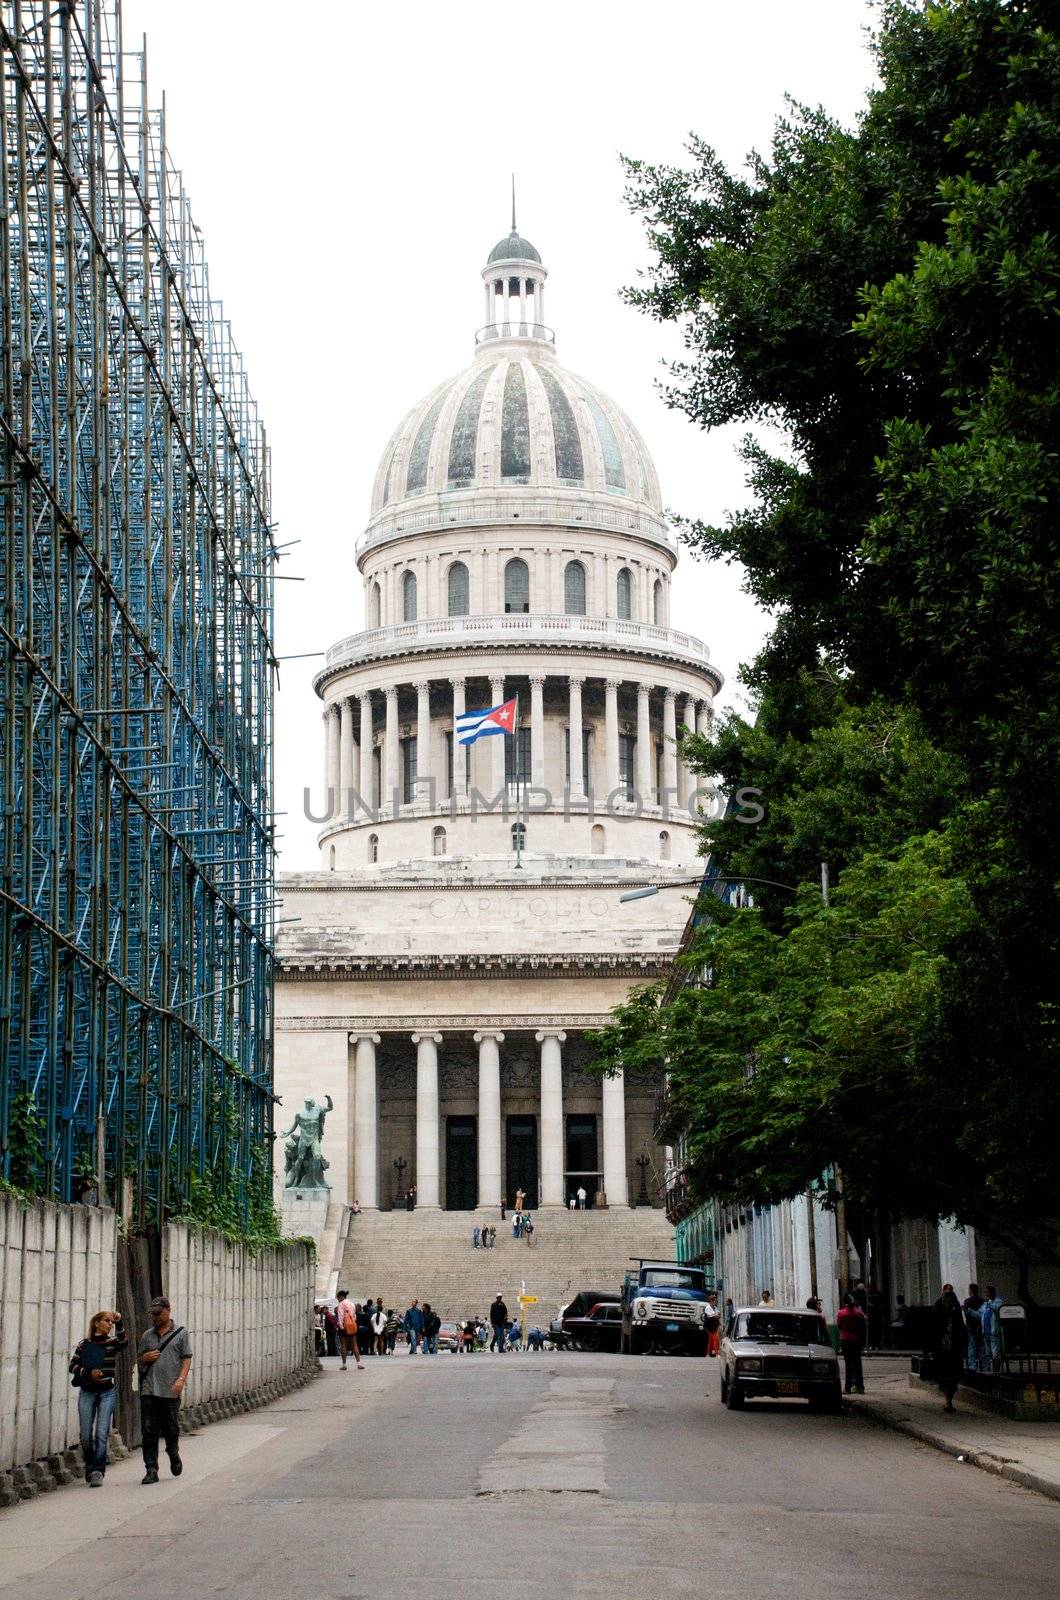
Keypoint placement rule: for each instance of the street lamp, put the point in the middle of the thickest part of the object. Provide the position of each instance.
(399, 1167)
(643, 1162)
(648, 889)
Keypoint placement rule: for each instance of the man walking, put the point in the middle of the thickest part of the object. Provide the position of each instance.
(498, 1322)
(164, 1359)
(413, 1326)
(346, 1318)
(432, 1325)
(852, 1325)
(973, 1317)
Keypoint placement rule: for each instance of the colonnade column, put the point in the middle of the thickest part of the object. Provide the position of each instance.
(614, 775)
(489, 1041)
(489, 295)
(575, 742)
(614, 1120)
(459, 750)
(346, 753)
(669, 747)
(390, 752)
(522, 304)
(423, 740)
(365, 1122)
(427, 1123)
(332, 764)
(366, 747)
(704, 717)
(499, 740)
(645, 782)
(551, 1040)
(537, 732)
(687, 779)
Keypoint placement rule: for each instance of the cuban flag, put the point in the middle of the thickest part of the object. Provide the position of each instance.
(477, 724)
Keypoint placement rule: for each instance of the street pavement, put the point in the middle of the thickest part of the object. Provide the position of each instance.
(539, 1475)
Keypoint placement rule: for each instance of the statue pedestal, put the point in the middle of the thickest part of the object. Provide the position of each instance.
(303, 1213)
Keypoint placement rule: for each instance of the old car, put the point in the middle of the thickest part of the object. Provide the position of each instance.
(599, 1329)
(576, 1309)
(774, 1352)
(449, 1336)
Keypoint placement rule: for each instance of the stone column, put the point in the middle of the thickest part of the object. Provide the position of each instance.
(704, 717)
(459, 750)
(489, 309)
(497, 740)
(645, 776)
(577, 751)
(551, 1040)
(427, 1124)
(366, 747)
(669, 747)
(489, 1116)
(333, 764)
(423, 741)
(522, 304)
(365, 1122)
(686, 777)
(540, 297)
(346, 752)
(537, 732)
(614, 1121)
(391, 776)
(614, 776)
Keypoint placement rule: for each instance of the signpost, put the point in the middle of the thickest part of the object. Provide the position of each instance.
(526, 1300)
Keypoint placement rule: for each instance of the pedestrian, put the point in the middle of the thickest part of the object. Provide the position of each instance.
(711, 1323)
(379, 1329)
(899, 1323)
(528, 1229)
(991, 1328)
(346, 1326)
(767, 1298)
(504, 1212)
(520, 1198)
(973, 1317)
(331, 1331)
(853, 1326)
(498, 1322)
(475, 1237)
(582, 1197)
(92, 1369)
(517, 1224)
(814, 1304)
(861, 1299)
(410, 1198)
(412, 1322)
(493, 1237)
(573, 1201)
(364, 1326)
(535, 1339)
(432, 1323)
(949, 1336)
(730, 1310)
(164, 1359)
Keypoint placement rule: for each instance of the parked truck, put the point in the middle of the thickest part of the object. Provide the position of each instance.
(664, 1308)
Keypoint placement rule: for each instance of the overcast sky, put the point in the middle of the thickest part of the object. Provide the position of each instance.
(349, 166)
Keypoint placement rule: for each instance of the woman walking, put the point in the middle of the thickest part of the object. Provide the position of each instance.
(92, 1368)
(949, 1342)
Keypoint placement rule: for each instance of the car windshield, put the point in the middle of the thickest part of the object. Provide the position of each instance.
(671, 1278)
(768, 1327)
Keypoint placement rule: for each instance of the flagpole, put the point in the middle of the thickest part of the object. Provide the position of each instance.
(518, 782)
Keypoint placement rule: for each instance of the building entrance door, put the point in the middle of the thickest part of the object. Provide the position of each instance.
(582, 1170)
(461, 1163)
(522, 1160)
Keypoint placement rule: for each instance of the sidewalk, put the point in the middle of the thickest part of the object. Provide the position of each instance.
(1027, 1453)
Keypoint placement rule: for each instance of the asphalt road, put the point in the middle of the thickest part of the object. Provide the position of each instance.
(558, 1476)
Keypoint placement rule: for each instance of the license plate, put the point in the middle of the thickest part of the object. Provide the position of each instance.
(672, 1327)
(788, 1388)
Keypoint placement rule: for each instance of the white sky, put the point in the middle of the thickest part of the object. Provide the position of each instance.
(349, 166)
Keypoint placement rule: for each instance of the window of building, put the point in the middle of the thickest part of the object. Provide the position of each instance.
(459, 590)
(627, 757)
(517, 585)
(375, 606)
(373, 847)
(518, 835)
(624, 593)
(408, 597)
(657, 603)
(664, 846)
(438, 842)
(599, 839)
(517, 757)
(466, 749)
(408, 770)
(331, 859)
(377, 778)
(574, 589)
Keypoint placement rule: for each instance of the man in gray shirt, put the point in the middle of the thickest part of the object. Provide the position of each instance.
(164, 1359)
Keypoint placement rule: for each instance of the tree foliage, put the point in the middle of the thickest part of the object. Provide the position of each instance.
(887, 296)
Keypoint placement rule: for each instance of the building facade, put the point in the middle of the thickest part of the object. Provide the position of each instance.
(464, 932)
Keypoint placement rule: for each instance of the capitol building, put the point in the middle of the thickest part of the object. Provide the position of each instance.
(465, 929)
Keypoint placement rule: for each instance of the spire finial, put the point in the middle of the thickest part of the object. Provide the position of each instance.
(514, 229)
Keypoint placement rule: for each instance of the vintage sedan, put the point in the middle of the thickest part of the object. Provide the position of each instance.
(776, 1353)
(599, 1329)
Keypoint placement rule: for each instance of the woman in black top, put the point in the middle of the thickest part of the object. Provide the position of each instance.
(949, 1342)
(92, 1367)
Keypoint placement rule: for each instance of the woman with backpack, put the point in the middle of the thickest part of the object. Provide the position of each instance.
(92, 1371)
(347, 1319)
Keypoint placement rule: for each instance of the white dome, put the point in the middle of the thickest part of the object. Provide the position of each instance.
(515, 418)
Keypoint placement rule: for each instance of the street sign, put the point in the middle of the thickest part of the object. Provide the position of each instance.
(528, 1299)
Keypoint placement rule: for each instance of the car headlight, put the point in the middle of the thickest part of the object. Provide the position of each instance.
(749, 1364)
(640, 1309)
(825, 1368)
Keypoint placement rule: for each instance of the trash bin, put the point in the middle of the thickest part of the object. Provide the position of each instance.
(1013, 1322)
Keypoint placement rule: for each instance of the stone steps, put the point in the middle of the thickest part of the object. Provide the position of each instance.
(428, 1255)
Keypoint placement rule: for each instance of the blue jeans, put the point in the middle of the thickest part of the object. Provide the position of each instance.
(414, 1340)
(430, 1344)
(94, 1412)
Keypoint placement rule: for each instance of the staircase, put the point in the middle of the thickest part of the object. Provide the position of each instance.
(428, 1255)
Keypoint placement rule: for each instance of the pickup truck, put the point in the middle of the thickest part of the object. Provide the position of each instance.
(663, 1308)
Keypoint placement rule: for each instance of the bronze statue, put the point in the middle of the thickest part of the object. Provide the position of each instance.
(304, 1165)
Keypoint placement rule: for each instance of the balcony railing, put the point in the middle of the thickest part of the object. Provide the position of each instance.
(515, 330)
(591, 510)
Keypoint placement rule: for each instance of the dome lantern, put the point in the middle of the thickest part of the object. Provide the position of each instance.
(514, 282)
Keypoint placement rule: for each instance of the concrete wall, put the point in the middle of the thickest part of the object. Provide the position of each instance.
(57, 1268)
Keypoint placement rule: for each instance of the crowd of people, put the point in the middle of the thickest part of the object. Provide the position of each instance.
(363, 1329)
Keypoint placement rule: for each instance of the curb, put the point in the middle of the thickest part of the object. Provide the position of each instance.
(879, 1414)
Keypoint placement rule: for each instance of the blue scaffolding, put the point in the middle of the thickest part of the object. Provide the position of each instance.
(136, 602)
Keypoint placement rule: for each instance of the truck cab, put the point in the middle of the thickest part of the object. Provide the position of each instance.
(664, 1308)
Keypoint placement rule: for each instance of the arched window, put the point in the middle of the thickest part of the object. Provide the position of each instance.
(373, 847)
(438, 842)
(459, 590)
(408, 597)
(657, 603)
(375, 603)
(517, 586)
(331, 859)
(664, 846)
(624, 593)
(574, 589)
(518, 835)
(599, 839)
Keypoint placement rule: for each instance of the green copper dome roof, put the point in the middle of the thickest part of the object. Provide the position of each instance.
(514, 248)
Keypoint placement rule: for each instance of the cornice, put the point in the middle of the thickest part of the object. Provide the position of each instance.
(286, 884)
(444, 1022)
(312, 968)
